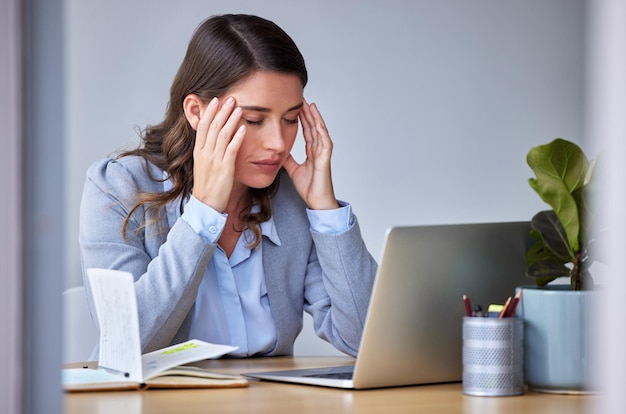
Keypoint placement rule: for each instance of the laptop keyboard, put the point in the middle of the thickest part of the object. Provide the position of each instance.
(332, 375)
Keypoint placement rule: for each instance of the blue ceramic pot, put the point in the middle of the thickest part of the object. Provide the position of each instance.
(557, 333)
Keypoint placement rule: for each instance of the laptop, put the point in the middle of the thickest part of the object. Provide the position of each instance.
(413, 330)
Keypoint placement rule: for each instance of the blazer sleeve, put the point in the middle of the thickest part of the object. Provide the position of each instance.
(338, 287)
(167, 264)
(329, 276)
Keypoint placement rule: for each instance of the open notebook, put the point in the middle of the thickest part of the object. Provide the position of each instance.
(120, 362)
(413, 332)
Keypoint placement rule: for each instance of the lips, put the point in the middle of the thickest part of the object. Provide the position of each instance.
(267, 165)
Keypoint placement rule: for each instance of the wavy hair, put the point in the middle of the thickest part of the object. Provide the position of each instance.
(222, 51)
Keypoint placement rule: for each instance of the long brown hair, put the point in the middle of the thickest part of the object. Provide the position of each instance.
(223, 50)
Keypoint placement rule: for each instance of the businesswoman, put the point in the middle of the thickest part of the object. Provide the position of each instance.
(228, 237)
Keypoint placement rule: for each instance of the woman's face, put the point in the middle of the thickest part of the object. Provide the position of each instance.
(270, 104)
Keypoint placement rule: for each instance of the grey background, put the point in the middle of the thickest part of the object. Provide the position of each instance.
(432, 105)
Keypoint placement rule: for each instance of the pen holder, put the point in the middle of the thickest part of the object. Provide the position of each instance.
(493, 356)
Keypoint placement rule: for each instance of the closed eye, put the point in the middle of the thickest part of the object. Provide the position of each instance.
(260, 122)
(251, 122)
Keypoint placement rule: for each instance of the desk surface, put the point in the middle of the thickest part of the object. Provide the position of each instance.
(267, 397)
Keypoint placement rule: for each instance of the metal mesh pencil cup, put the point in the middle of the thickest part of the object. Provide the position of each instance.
(493, 356)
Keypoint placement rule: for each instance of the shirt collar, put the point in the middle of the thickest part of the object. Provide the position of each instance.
(268, 229)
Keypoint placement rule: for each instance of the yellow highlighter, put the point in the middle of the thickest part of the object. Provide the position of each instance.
(494, 310)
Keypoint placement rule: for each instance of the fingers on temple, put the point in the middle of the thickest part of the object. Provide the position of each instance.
(319, 134)
(205, 121)
(224, 125)
(235, 143)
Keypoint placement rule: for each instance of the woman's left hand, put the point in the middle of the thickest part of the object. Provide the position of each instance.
(312, 178)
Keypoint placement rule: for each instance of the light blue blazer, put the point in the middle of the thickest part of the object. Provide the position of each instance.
(328, 276)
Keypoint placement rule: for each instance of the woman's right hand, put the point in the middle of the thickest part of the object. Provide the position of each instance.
(218, 139)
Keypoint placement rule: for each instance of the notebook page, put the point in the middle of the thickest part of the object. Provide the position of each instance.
(114, 298)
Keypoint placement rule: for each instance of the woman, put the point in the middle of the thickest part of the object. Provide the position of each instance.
(229, 238)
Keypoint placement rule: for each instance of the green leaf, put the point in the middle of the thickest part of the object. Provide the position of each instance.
(548, 269)
(552, 233)
(538, 252)
(543, 265)
(560, 168)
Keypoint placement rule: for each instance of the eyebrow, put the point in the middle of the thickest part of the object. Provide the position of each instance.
(264, 109)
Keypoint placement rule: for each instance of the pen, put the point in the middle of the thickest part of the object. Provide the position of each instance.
(114, 371)
(468, 306)
(505, 309)
(516, 300)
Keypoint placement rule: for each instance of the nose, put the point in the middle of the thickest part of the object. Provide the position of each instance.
(274, 138)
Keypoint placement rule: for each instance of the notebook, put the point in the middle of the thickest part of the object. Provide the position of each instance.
(413, 331)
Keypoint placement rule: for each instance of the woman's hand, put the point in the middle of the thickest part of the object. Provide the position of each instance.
(218, 140)
(312, 178)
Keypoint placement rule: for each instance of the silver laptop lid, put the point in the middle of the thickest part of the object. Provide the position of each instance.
(413, 330)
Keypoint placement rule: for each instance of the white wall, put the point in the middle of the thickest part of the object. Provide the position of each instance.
(432, 105)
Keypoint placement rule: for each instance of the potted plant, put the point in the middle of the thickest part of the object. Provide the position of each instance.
(556, 316)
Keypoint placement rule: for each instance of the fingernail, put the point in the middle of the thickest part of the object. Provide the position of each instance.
(213, 101)
(230, 100)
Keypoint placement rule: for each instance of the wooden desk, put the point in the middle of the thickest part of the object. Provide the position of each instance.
(267, 397)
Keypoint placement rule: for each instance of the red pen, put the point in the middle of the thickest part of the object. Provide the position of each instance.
(516, 300)
(468, 305)
(505, 309)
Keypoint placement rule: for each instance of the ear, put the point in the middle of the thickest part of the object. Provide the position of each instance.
(193, 108)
